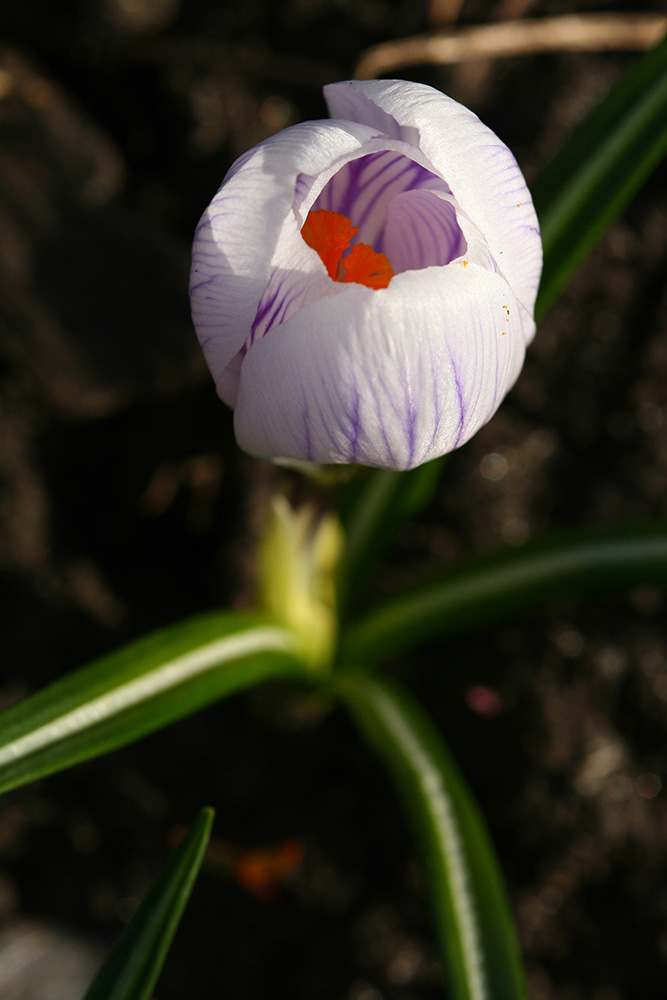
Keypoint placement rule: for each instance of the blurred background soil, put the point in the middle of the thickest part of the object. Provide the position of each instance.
(125, 505)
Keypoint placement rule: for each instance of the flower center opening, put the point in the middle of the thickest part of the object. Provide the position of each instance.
(330, 235)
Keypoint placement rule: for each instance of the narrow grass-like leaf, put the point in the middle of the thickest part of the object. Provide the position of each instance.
(599, 169)
(510, 582)
(372, 508)
(139, 689)
(473, 920)
(132, 968)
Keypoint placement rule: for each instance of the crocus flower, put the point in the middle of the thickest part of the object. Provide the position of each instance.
(363, 287)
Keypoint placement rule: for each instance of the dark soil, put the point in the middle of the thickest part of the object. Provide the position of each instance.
(126, 505)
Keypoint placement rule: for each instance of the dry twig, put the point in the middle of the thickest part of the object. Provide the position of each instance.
(580, 32)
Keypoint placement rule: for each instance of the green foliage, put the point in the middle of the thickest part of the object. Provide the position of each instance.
(510, 582)
(297, 564)
(373, 507)
(473, 920)
(599, 169)
(139, 689)
(132, 968)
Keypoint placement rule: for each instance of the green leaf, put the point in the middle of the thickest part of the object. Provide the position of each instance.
(139, 689)
(472, 915)
(599, 169)
(510, 582)
(132, 968)
(372, 508)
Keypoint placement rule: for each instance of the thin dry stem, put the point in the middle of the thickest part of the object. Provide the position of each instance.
(582, 33)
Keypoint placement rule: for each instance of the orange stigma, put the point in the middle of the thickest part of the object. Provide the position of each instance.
(330, 234)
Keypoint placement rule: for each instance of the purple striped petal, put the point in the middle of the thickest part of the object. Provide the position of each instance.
(236, 244)
(479, 169)
(389, 378)
(422, 230)
(363, 189)
(298, 279)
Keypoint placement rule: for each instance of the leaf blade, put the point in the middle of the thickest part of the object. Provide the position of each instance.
(131, 970)
(138, 689)
(599, 169)
(473, 918)
(485, 590)
(372, 509)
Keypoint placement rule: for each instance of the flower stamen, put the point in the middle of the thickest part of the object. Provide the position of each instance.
(330, 235)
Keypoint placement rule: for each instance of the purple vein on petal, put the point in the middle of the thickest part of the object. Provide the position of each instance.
(370, 195)
(283, 308)
(285, 294)
(383, 429)
(410, 422)
(399, 413)
(345, 203)
(201, 284)
(355, 424)
(305, 416)
(411, 428)
(267, 303)
(304, 183)
(436, 401)
(421, 230)
(349, 421)
(405, 172)
(459, 396)
(331, 420)
(423, 255)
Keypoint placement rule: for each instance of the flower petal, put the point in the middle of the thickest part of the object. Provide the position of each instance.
(363, 189)
(390, 378)
(237, 237)
(297, 279)
(422, 230)
(480, 170)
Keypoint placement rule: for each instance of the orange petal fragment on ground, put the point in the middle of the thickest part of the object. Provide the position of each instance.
(366, 266)
(330, 235)
(261, 871)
